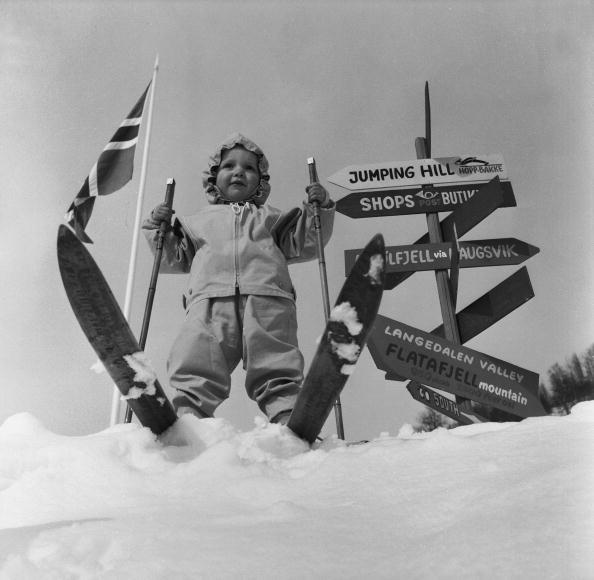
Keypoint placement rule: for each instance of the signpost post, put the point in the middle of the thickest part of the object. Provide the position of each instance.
(447, 300)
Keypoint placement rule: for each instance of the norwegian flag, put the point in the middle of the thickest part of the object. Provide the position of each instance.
(111, 172)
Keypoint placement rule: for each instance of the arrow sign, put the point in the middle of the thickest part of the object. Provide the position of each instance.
(430, 199)
(406, 351)
(462, 219)
(409, 258)
(437, 402)
(493, 306)
(475, 254)
(393, 174)
(495, 252)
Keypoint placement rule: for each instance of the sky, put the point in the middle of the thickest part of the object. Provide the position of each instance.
(493, 500)
(340, 81)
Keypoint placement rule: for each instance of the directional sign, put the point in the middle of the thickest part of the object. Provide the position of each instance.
(487, 310)
(437, 402)
(409, 258)
(441, 364)
(475, 254)
(430, 199)
(495, 252)
(462, 219)
(392, 174)
(493, 306)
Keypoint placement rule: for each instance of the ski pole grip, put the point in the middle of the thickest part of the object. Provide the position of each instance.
(313, 172)
(169, 192)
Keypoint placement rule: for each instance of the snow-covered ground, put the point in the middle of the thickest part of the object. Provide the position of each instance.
(512, 500)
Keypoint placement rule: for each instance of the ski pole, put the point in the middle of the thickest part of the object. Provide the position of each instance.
(170, 190)
(313, 178)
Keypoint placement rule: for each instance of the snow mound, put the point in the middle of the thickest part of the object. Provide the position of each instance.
(510, 500)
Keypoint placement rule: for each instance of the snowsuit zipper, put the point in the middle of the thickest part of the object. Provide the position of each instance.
(237, 214)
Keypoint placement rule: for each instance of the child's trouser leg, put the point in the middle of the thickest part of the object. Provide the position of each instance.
(271, 357)
(204, 354)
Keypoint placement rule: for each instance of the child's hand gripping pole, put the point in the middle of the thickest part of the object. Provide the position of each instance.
(170, 190)
(313, 178)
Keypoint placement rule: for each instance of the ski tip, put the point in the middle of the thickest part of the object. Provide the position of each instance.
(376, 244)
(371, 262)
(66, 235)
(63, 233)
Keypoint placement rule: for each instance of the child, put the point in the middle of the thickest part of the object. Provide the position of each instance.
(240, 301)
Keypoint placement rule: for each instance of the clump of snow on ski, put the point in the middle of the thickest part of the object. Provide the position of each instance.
(347, 369)
(349, 351)
(376, 269)
(140, 364)
(346, 314)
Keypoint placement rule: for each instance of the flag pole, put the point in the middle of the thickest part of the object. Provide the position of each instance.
(116, 397)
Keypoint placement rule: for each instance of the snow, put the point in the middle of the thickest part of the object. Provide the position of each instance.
(510, 500)
(144, 373)
(348, 351)
(376, 268)
(347, 314)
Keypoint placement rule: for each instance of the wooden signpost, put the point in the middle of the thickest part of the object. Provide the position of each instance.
(446, 290)
(471, 187)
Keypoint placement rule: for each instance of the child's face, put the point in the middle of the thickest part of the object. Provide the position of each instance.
(238, 176)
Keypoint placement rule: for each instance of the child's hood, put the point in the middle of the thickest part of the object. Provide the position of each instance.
(209, 177)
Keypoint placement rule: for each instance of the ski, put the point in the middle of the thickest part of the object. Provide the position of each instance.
(343, 339)
(108, 332)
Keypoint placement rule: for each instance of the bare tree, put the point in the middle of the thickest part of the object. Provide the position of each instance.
(572, 382)
(429, 420)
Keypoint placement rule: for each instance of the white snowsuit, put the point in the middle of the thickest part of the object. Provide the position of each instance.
(240, 301)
